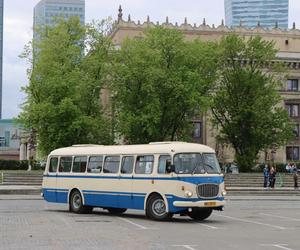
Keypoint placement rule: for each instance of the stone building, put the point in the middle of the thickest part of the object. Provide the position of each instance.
(286, 41)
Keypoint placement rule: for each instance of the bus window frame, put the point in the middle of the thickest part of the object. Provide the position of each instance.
(133, 165)
(166, 173)
(48, 167)
(153, 166)
(62, 156)
(111, 155)
(73, 160)
(89, 157)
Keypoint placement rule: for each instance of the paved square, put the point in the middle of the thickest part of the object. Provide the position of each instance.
(27, 222)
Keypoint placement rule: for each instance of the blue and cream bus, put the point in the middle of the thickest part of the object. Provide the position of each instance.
(161, 178)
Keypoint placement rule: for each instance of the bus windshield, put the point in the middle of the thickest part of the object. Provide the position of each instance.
(195, 163)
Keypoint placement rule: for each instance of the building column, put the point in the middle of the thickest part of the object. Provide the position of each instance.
(23, 151)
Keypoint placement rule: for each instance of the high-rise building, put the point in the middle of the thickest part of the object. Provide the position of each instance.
(248, 13)
(46, 11)
(1, 52)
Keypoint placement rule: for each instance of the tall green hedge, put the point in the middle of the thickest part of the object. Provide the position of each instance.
(17, 165)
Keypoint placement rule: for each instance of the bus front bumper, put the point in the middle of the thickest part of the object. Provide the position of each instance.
(206, 203)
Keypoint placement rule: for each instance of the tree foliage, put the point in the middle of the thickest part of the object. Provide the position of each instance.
(159, 82)
(246, 106)
(65, 77)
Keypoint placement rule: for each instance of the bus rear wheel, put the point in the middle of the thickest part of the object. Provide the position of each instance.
(76, 204)
(200, 213)
(116, 211)
(156, 208)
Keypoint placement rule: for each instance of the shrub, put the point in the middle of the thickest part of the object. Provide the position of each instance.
(20, 165)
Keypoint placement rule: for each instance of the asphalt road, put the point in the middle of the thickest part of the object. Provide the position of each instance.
(27, 222)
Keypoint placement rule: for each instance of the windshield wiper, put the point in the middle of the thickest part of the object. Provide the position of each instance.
(211, 167)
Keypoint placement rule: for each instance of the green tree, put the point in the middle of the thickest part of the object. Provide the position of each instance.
(159, 82)
(246, 106)
(63, 102)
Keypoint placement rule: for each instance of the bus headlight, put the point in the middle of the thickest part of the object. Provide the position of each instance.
(188, 193)
(224, 193)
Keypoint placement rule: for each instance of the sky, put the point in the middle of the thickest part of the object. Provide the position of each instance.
(18, 20)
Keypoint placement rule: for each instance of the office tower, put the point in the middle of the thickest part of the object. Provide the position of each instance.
(46, 10)
(1, 52)
(248, 13)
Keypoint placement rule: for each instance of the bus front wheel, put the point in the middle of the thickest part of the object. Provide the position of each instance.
(156, 208)
(76, 204)
(200, 213)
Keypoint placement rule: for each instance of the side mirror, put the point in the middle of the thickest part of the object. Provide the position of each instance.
(170, 168)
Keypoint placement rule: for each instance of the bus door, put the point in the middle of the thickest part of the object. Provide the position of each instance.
(50, 181)
(125, 182)
(110, 182)
(142, 179)
(62, 180)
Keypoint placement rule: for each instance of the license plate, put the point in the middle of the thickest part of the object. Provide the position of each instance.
(211, 203)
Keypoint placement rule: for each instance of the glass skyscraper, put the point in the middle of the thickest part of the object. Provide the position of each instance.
(1, 52)
(249, 12)
(46, 10)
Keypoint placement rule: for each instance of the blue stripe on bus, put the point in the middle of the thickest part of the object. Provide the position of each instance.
(192, 179)
(115, 199)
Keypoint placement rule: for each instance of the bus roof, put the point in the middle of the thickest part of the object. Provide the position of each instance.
(151, 148)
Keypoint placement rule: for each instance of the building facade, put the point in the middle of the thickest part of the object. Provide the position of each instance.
(1, 52)
(286, 41)
(10, 139)
(268, 13)
(46, 11)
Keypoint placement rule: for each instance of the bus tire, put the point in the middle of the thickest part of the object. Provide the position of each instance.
(156, 208)
(76, 204)
(116, 211)
(200, 213)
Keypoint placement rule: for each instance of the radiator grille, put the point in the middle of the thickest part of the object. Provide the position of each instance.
(208, 190)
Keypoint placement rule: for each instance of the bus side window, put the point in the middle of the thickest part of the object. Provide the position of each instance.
(111, 164)
(127, 164)
(144, 164)
(65, 164)
(79, 164)
(162, 163)
(53, 165)
(95, 164)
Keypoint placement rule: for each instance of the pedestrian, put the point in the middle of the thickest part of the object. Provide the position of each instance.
(288, 167)
(266, 176)
(272, 176)
(294, 171)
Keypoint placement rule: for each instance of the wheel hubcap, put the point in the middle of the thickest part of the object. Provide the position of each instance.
(76, 201)
(158, 207)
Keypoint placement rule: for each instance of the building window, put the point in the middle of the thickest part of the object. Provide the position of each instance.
(293, 109)
(197, 130)
(292, 85)
(292, 153)
(296, 130)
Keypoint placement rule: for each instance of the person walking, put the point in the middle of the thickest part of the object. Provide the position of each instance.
(266, 176)
(294, 171)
